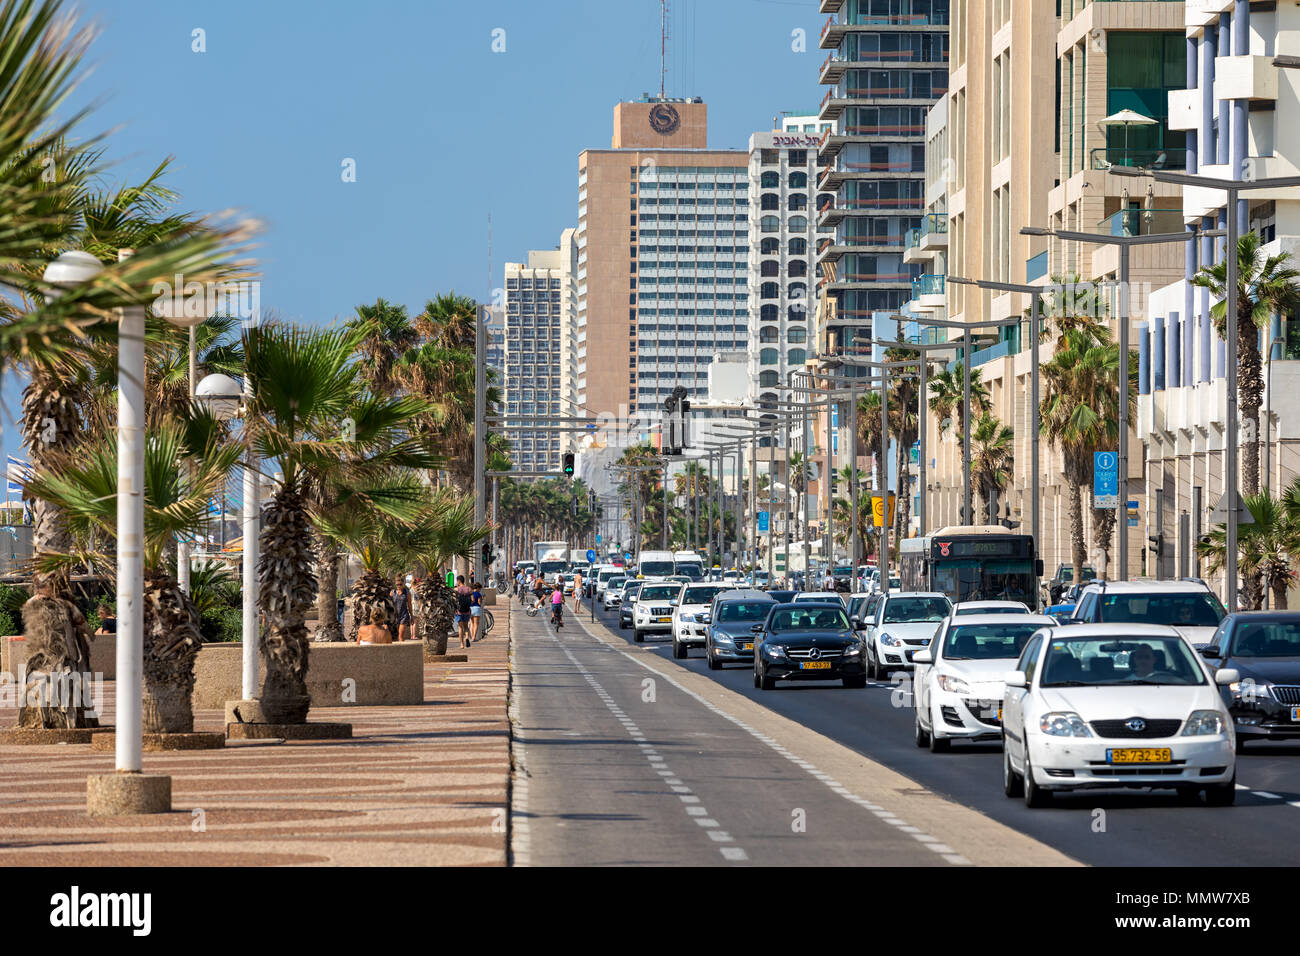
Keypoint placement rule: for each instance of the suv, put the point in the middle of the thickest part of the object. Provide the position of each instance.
(1188, 606)
(691, 610)
(900, 624)
(653, 610)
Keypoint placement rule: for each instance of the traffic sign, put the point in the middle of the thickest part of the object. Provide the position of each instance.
(591, 554)
(1132, 513)
(1220, 513)
(1105, 479)
(764, 521)
(878, 509)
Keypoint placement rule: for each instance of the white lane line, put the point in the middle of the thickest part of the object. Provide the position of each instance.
(1266, 795)
(948, 854)
(697, 813)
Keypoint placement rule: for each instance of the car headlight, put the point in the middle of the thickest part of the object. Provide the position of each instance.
(704, 618)
(852, 649)
(953, 685)
(1064, 724)
(721, 638)
(890, 641)
(774, 650)
(1249, 689)
(1203, 722)
(686, 618)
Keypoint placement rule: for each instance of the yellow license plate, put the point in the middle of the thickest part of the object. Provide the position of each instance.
(1140, 755)
(1295, 713)
(999, 715)
(663, 620)
(746, 647)
(815, 665)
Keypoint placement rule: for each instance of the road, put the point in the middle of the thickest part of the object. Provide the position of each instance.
(620, 764)
(1108, 828)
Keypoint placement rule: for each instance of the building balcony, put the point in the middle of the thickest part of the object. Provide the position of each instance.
(833, 30)
(1245, 78)
(831, 6)
(1036, 267)
(1104, 157)
(1138, 222)
(928, 293)
(837, 172)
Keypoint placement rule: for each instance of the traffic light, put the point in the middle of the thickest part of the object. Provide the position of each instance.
(1157, 544)
(575, 506)
(568, 463)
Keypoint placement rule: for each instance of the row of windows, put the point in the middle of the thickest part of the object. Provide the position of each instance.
(771, 246)
(773, 357)
(771, 201)
(769, 334)
(652, 177)
(770, 267)
(691, 201)
(651, 313)
(687, 296)
(736, 282)
(798, 312)
(772, 180)
(773, 224)
(645, 329)
(532, 283)
(702, 217)
(652, 266)
(737, 250)
(697, 233)
(772, 290)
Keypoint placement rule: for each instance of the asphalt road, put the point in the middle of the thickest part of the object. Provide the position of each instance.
(1106, 828)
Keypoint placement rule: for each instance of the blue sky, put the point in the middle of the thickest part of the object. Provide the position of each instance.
(443, 130)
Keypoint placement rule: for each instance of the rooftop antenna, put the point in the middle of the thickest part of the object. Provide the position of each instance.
(489, 257)
(663, 45)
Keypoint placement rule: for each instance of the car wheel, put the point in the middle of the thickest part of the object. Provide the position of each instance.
(714, 663)
(1241, 744)
(637, 635)
(679, 650)
(939, 745)
(1035, 796)
(1012, 784)
(1188, 796)
(1223, 794)
(767, 683)
(857, 681)
(758, 682)
(919, 736)
(872, 671)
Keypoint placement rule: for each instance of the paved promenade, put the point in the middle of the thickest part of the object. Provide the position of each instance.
(417, 786)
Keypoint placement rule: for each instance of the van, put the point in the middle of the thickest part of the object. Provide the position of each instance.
(656, 565)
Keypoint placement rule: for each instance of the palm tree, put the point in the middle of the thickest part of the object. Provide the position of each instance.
(1266, 285)
(176, 501)
(948, 401)
(387, 334)
(798, 473)
(444, 531)
(1079, 411)
(992, 448)
(304, 387)
(1266, 546)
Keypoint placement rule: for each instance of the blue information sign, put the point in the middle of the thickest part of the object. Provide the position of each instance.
(762, 522)
(591, 554)
(1105, 479)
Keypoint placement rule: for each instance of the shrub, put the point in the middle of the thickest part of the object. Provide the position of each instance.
(7, 625)
(222, 624)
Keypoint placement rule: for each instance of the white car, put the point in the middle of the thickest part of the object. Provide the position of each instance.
(958, 684)
(1116, 705)
(903, 623)
(1188, 606)
(691, 615)
(819, 596)
(613, 593)
(603, 577)
(653, 611)
(962, 608)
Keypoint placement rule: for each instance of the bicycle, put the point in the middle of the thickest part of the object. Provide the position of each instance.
(485, 622)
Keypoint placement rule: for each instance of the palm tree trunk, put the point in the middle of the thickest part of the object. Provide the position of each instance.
(58, 652)
(328, 627)
(287, 589)
(1279, 589)
(1250, 387)
(1078, 547)
(171, 644)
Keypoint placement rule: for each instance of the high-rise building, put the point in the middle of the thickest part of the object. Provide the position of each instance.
(539, 335)
(496, 341)
(782, 243)
(888, 66)
(662, 256)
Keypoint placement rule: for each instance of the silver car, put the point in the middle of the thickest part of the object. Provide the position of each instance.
(730, 636)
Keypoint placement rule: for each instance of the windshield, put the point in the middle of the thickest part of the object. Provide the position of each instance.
(986, 642)
(552, 567)
(659, 592)
(846, 571)
(1066, 574)
(1018, 609)
(973, 579)
(613, 584)
(809, 618)
(1194, 609)
(631, 587)
(743, 610)
(904, 610)
(699, 595)
(1267, 639)
(1084, 661)
(657, 567)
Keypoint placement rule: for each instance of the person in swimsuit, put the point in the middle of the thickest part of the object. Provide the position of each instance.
(376, 632)
(401, 609)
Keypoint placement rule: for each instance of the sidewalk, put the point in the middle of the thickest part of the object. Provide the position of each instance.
(416, 786)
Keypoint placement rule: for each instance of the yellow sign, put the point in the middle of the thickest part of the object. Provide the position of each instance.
(878, 510)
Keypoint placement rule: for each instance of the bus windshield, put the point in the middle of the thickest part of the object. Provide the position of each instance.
(660, 568)
(972, 579)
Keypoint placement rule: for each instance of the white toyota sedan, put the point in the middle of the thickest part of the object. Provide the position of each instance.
(958, 684)
(1116, 705)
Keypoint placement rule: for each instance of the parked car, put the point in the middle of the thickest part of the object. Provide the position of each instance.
(627, 602)
(903, 623)
(690, 616)
(1263, 647)
(653, 611)
(730, 631)
(1188, 606)
(807, 641)
(958, 684)
(1116, 705)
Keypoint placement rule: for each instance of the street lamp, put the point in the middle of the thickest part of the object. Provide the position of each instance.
(224, 398)
(1232, 187)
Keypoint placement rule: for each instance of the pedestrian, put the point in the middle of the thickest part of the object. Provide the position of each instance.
(475, 608)
(107, 619)
(376, 632)
(577, 592)
(463, 605)
(401, 609)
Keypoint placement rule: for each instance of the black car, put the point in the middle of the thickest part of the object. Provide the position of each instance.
(808, 641)
(1264, 648)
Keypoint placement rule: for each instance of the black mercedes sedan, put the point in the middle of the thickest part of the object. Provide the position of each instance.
(1264, 648)
(808, 641)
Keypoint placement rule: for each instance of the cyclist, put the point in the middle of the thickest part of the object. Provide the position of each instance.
(557, 605)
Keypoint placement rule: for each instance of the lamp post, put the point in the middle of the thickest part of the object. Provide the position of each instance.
(223, 396)
(1233, 188)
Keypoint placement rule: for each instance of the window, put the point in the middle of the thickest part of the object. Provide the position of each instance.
(771, 224)
(769, 201)
(798, 290)
(798, 224)
(768, 357)
(799, 180)
(768, 313)
(768, 333)
(769, 290)
(770, 157)
(768, 379)
(798, 157)
(799, 356)
(797, 201)
(800, 334)
(769, 267)
(1027, 659)
(769, 246)
(798, 247)
(769, 180)
(799, 267)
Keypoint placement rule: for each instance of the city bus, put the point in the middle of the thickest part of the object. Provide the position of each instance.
(973, 563)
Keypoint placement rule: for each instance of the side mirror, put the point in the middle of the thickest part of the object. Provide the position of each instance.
(673, 602)
(1226, 675)
(1211, 651)
(1038, 565)
(1016, 679)
(923, 657)
(855, 620)
(757, 628)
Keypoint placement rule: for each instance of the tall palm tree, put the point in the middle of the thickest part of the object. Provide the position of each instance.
(176, 502)
(1266, 285)
(798, 474)
(948, 399)
(387, 334)
(1266, 546)
(992, 449)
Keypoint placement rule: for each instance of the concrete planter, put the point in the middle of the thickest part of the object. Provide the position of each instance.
(382, 674)
(103, 655)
